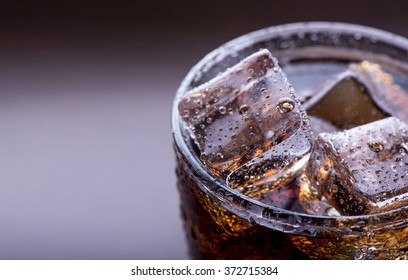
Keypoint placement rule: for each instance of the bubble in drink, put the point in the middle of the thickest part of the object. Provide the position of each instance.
(362, 170)
(241, 113)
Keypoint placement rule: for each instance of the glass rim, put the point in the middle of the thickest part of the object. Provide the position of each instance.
(217, 55)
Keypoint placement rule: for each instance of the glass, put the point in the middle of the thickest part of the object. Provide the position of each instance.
(221, 223)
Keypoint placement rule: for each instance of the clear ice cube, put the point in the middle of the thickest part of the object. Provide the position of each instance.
(311, 201)
(346, 101)
(276, 167)
(388, 95)
(307, 77)
(362, 170)
(241, 113)
(279, 165)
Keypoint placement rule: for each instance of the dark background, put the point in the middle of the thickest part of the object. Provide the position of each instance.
(86, 87)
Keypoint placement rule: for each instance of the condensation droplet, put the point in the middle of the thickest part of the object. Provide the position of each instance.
(222, 110)
(285, 105)
(375, 146)
(186, 114)
(220, 156)
(199, 102)
(370, 161)
(357, 36)
(243, 110)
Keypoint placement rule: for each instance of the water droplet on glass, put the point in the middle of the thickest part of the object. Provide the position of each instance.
(370, 161)
(220, 156)
(222, 110)
(243, 110)
(376, 146)
(186, 114)
(285, 105)
(357, 36)
(203, 157)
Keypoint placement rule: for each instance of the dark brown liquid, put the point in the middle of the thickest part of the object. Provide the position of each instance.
(214, 233)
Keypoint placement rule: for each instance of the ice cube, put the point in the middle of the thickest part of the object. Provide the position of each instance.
(311, 201)
(388, 95)
(307, 77)
(319, 125)
(241, 113)
(362, 170)
(346, 102)
(276, 168)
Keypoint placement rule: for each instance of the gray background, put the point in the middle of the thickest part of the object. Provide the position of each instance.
(86, 87)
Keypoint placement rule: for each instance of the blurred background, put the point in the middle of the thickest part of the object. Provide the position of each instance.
(86, 89)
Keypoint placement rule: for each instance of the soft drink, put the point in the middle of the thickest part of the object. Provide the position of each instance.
(255, 183)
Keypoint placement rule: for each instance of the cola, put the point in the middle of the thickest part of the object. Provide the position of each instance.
(291, 144)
